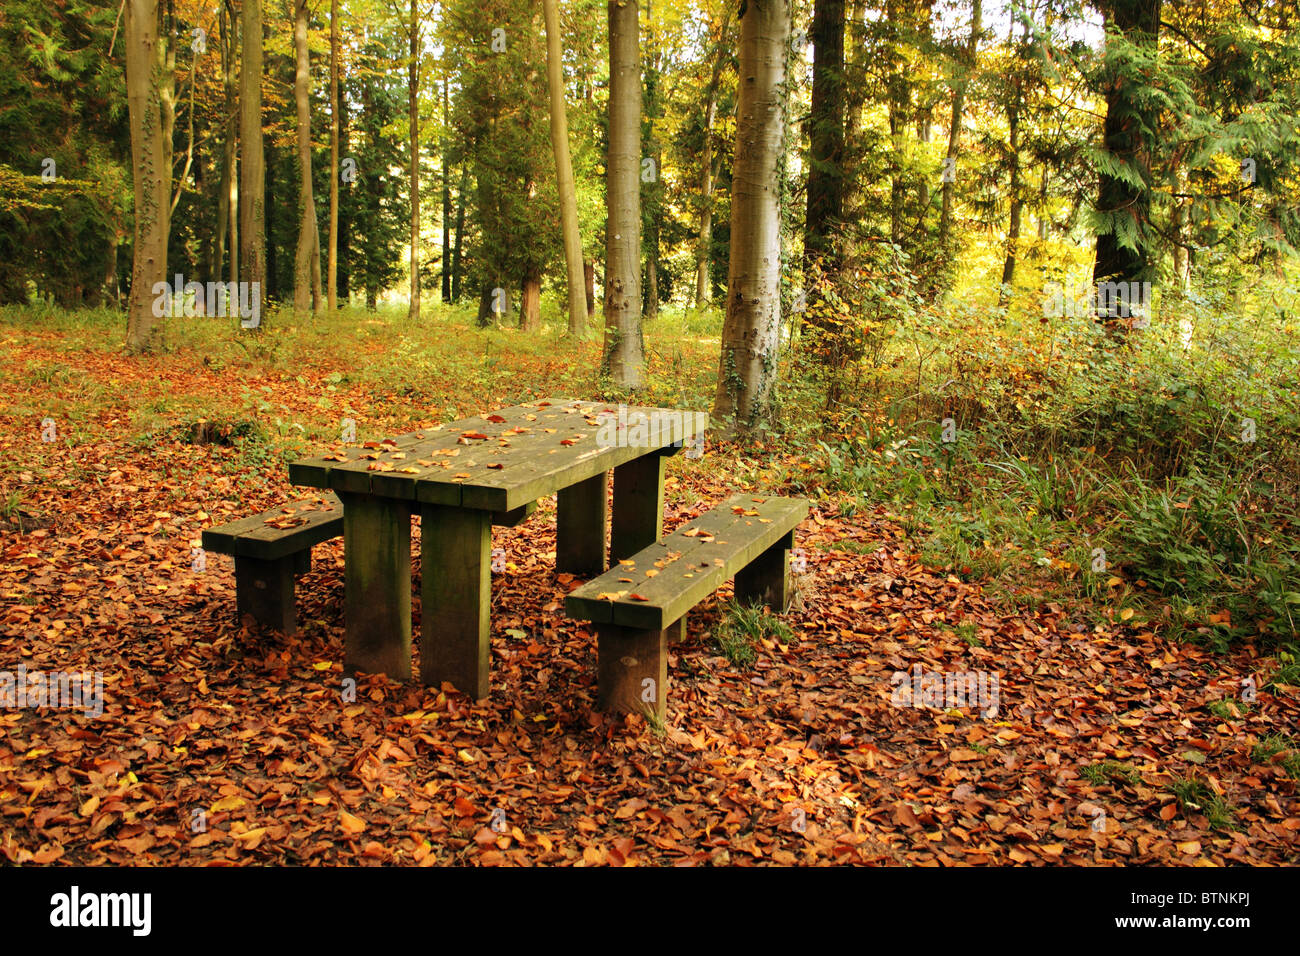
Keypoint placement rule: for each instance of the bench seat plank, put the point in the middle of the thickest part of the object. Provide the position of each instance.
(315, 519)
(675, 574)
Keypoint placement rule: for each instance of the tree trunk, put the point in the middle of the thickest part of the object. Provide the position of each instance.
(564, 171)
(446, 189)
(228, 199)
(708, 170)
(252, 205)
(589, 282)
(1017, 200)
(460, 234)
(1123, 138)
(304, 288)
(149, 92)
(954, 127)
(413, 105)
(530, 303)
(747, 365)
(332, 283)
(825, 210)
(623, 357)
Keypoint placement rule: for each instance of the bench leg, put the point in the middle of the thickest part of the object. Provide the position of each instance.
(264, 589)
(377, 597)
(632, 668)
(767, 578)
(638, 506)
(580, 523)
(456, 597)
(676, 631)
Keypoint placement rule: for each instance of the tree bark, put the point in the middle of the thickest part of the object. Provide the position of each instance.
(589, 280)
(564, 171)
(228, 201)
(708, 169)
(623, 356)
(747, 365)
(252, 206)
(304, 288)
(149, 94)
(825, 209)
(332, 283)
(530, 302)
(1122, 137)
(446, 188)
(413, 105)
(460, 234)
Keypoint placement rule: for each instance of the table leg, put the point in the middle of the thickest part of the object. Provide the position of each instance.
(580, 523)
(377, 571)
(638, 506)
(264, 589)
(456, 597)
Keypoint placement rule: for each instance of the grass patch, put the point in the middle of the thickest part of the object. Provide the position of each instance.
(1196, 796)
(1100, 774)
(1270, 747)
(743, 629)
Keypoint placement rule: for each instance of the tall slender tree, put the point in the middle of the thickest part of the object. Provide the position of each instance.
(149, 96)
(564, 171)
(623, 357)
(252, 180)
(413, 107)
(750, 332)
(332, 282)
(306, 271)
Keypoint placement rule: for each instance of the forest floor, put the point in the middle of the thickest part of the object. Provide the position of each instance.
(218, 744)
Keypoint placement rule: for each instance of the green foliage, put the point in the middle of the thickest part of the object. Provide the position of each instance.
(1197, 796)
(742, 631)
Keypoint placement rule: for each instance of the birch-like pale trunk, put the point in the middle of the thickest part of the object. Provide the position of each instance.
(623, 357)
(747, 366)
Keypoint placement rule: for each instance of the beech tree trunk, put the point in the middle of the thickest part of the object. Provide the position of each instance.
(530, 302)
(564, 172)
(306, 278)
(623, 357)
(413, 105)
(151, 108)
(750, 332)
(332, 282)
(252, 189)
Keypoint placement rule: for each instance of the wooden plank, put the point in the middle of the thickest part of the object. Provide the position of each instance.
(515, 517)
(320, 519)
(456, 597)
(580, 525)
(675, 574)
(377, 572)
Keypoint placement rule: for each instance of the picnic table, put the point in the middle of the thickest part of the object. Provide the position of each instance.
(461, 478)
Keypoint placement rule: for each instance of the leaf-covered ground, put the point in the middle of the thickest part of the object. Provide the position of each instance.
(1109, 745)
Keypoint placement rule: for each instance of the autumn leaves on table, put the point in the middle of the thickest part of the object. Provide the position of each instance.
(475, 447)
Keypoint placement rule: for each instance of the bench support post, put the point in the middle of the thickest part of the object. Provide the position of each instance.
(456, 597)
(676, 631)
(632, 668)
(638, 506)
(580, 523)
(377, 572)
(264, 590)
(767, 578)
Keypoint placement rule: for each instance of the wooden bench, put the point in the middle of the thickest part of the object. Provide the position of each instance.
(270, 548)
(639, 602)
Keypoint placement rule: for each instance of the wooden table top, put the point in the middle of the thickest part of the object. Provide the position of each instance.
(505, 459)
